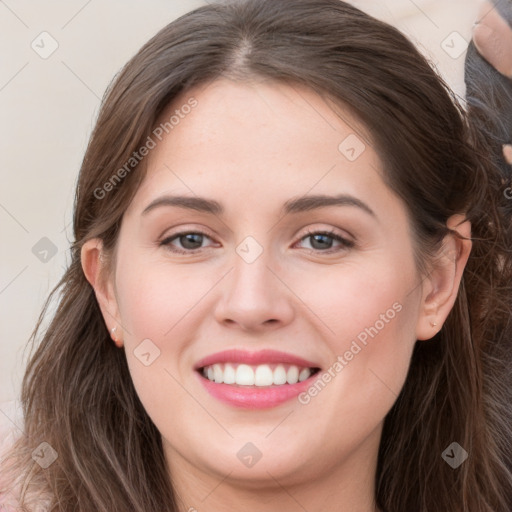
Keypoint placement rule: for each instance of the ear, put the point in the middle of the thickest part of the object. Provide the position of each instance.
(441, 286)
(94, 267)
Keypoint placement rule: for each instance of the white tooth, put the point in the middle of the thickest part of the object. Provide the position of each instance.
(244, 375)
(304, 374)
(292, 375)
(229, 374)
(217, 373)
(263, 375)
(279, 376)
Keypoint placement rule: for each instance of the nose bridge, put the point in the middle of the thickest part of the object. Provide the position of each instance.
(252, 294)
(251, 278)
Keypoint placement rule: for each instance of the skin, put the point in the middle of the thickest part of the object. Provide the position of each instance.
(252, 147)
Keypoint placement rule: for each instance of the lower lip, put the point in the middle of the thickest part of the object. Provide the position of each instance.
(253, 397)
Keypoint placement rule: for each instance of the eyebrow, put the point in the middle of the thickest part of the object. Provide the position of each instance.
(296, 205)
(312, 202)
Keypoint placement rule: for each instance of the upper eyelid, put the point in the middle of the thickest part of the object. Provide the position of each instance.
(181, 232)
(309, 230)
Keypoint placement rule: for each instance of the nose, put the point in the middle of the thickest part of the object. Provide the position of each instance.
(255, 297)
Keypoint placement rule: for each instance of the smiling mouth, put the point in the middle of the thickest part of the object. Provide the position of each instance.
(261, 375)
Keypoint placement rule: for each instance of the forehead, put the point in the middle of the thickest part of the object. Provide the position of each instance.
(259, 141)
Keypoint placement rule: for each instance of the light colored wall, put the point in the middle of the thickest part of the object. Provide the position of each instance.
(48, 107)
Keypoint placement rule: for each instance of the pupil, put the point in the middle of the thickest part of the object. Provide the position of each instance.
(323, 243)
(189, 238)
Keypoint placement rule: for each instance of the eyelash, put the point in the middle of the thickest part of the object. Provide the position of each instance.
(345, 244)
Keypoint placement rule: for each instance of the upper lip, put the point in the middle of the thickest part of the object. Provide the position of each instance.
(254, 358)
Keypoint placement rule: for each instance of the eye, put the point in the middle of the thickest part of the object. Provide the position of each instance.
(323, 240)
(190, 241)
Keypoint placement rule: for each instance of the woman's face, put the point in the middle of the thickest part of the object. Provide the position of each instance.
(258, 275)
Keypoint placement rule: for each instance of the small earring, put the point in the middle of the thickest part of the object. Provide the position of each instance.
(433, 323)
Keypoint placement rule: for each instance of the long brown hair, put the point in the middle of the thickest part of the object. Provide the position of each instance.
(77, 392)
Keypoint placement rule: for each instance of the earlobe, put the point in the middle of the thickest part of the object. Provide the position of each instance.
(441, 285)
(93, 266)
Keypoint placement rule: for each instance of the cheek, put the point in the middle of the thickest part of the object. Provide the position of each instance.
(156, 305)
(153, 306)
(368, 320)
(153, 297)
(364, 300)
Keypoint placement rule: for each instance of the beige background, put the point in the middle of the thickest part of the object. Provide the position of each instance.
(48, 107)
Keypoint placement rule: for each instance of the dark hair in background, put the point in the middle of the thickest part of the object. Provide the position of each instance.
(489, 98)
(77, 392)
